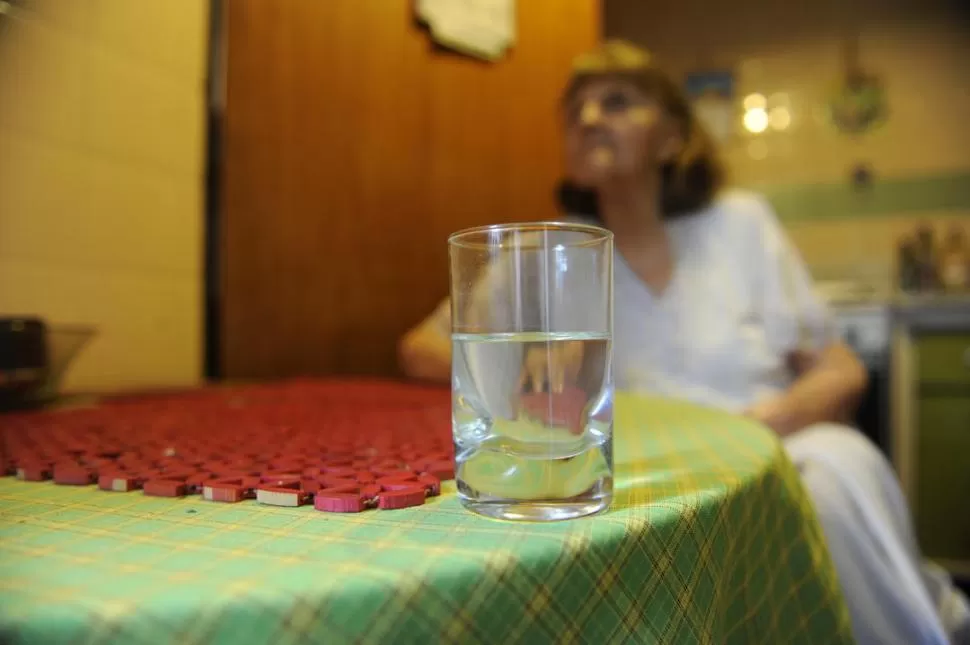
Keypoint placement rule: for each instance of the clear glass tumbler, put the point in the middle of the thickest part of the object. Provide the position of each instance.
(532, 384)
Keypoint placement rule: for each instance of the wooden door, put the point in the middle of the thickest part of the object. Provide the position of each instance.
(353, 146)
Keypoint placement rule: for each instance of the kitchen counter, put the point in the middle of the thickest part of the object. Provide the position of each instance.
(930, 311)
(935, 311)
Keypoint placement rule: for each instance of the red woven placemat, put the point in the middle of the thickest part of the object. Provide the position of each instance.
(284, 443)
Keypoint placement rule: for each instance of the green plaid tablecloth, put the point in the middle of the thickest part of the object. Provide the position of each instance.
(711, 539)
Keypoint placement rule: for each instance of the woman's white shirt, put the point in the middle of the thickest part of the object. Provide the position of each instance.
(739, 303)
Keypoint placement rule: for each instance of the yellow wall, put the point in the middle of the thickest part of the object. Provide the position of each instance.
(101, 181)
(921, 49)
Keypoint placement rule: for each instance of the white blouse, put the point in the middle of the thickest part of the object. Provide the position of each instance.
(739, 302)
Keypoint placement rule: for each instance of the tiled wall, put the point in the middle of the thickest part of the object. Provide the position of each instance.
(101, 170)
(920, 155)
(863, 248)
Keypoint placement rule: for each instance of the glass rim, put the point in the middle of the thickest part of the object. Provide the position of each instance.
(598, 233)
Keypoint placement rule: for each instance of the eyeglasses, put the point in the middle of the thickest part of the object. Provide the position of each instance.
(614, 102)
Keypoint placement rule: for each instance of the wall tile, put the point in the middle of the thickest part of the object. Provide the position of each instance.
(170, 34)
(864, 248)
(95, 213)
(41, 80)
(149, 328)
(133, 112)
(72, 16)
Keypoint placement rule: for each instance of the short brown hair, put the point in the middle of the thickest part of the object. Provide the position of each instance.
(690, 181)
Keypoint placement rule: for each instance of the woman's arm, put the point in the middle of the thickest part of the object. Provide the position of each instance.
(828, 377)
(425, 351)
(827, 389)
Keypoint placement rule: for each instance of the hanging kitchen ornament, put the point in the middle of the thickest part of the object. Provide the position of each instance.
(858, 104)
(483, 29)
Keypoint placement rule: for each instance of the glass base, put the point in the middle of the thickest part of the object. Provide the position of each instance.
(538, 511)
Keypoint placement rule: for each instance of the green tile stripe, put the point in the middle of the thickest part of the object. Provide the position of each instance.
(946, 194)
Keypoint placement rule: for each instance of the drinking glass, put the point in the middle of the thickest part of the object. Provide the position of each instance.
(532, 384)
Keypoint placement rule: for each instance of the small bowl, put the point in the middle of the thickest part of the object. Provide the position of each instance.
(62, 344)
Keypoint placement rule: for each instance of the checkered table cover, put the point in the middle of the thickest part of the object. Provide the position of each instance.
(711, 539)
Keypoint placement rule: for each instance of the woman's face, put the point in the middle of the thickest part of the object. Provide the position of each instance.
(614, 131)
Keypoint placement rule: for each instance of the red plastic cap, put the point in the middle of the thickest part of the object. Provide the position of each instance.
(33, 472)
(369, 493)
(345, 470)
(195, 482)
(365, 477)
(329, 481)
(443, 470)
(338, 502)
(394, 499)
(310, 485)
(223, 492)
(72, 475)
(165, 488)
(349, 489)
(280, 496)
(117, 482)
(394, 482)
(431, 484)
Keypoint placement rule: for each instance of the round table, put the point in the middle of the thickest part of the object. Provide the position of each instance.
(710, 539)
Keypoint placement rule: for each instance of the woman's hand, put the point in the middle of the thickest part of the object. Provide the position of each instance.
(551, 367)
(425, 353)
(549, 390)
(777, 413)
(827, 389)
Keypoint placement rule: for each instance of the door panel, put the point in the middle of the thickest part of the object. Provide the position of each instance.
(944, 358)
(943, 486)
(353, 147)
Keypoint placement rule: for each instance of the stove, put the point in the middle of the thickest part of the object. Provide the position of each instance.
(866, 328)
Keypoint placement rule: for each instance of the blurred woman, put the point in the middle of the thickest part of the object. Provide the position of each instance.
(714, 305)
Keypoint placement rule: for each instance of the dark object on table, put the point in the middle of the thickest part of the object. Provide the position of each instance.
(33, 358)
(24, 364)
